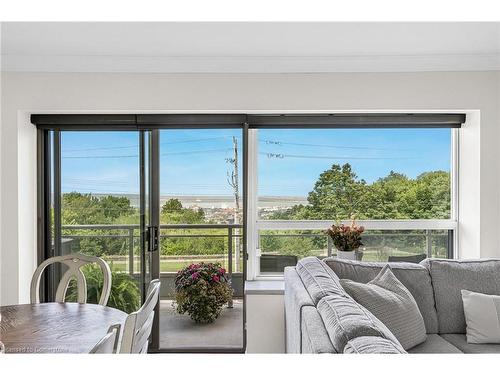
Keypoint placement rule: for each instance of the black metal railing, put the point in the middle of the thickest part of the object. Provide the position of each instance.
(130, 234)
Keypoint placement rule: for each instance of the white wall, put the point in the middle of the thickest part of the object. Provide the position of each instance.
(22, 93)
(265, 323)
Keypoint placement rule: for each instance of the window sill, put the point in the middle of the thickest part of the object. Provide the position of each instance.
(265, 287)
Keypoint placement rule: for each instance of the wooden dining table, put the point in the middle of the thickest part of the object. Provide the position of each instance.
(55, 327)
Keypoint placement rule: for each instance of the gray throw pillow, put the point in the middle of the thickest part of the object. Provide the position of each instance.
(389, 300)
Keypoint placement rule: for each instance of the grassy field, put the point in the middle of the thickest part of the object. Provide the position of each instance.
(167, 264)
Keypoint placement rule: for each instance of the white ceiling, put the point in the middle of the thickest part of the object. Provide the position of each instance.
(249, 47)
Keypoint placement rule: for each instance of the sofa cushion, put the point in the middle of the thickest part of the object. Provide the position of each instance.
(392, 303)
(345, 320)
(414, 277)
(460, 341)
(319, 280)
(434, 344)
(449, 277)
(371, 345)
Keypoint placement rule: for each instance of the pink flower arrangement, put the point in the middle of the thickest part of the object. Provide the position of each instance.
(346, 237)
(200, 272)
(202, 289)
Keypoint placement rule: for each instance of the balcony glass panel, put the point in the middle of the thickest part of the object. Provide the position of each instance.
(281, 248)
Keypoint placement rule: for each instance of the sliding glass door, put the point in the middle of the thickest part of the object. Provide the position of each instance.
(150, 203)
(99, 205)
(201, 221)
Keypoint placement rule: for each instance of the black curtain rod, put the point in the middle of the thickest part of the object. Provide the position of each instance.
(178, 121)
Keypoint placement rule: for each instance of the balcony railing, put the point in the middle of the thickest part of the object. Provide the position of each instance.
(280, 243)
(121, 247)
(129, 233)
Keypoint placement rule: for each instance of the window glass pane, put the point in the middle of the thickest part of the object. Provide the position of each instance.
(100, 209)
(379, 245)
(201, 183)
(334, 174)
(282, 248)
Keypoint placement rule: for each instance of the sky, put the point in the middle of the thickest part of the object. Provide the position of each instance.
(197, 162)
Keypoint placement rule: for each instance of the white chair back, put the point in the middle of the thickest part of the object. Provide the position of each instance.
(138, 325)
(109, 343)
(74, 263)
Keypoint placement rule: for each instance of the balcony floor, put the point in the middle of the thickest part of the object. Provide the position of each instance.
(180, 332)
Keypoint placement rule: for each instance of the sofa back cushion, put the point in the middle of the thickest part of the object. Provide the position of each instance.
(345, 320)
(449, 277)
(371, 345)
(319, 280)
(414, 277)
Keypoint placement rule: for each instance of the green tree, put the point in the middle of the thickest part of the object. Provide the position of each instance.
(86, 209)
(172, 212)
(384, 198)
(78, 208)
(114, 207)
(172, 205)
(338, 194)
(430, 197)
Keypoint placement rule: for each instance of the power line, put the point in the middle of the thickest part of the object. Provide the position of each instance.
(135, 156)
(196, 152)
(101, 157)
(271, 155)
(279, 143)
(266, 141)
(97, 182)
(137, 145)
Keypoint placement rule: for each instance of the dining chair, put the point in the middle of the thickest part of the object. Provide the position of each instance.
(138, 325)
(109, 343)
(74, 262)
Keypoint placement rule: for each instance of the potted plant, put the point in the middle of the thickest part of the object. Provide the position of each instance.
(201, 290)
(124, 295)
(347, 239)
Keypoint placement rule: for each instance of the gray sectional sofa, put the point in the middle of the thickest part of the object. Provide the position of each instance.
(322, 318)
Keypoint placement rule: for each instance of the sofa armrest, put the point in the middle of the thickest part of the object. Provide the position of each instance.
(296, 297)
(315, 339)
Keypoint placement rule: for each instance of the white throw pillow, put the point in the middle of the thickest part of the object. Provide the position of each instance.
(482, 316)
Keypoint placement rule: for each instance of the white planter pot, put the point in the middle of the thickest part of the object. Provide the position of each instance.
(351, 255)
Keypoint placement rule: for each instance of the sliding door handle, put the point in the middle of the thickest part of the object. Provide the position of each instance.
(153, 238)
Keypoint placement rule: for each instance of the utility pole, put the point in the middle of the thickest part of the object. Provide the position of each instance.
(232, 179)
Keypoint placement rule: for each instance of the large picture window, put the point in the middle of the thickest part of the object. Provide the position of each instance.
(256, 187)
(398, 182)
(336, 174)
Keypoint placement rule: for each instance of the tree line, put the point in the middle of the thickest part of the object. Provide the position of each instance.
(338, 194)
